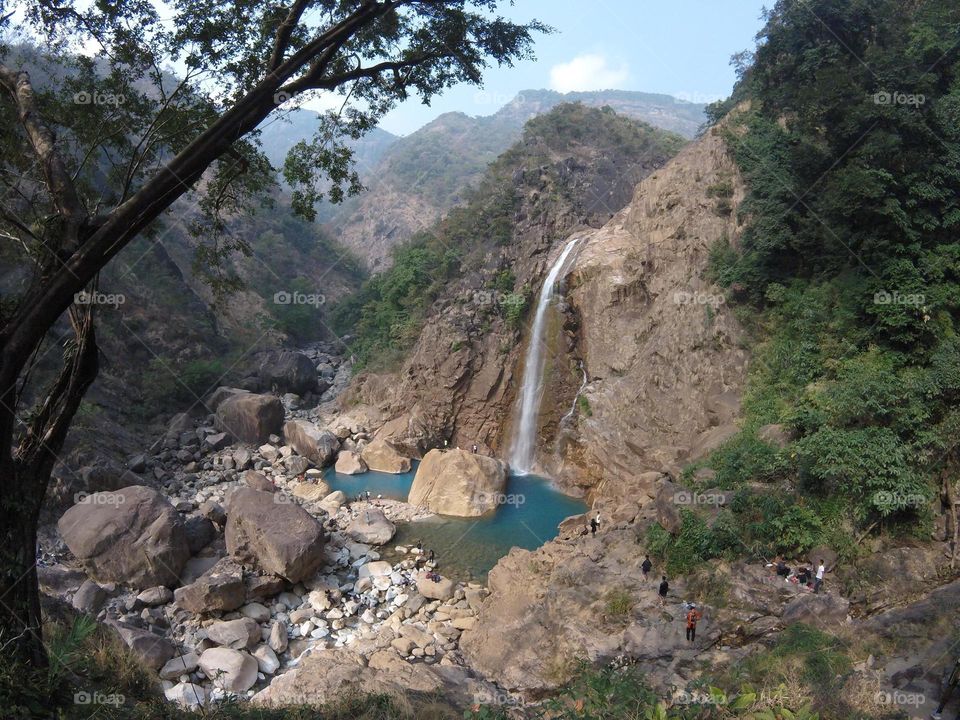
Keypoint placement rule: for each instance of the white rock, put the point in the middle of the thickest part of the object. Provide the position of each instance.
(266, 659)
(175, 667)
(187, 695)
(229, 669)
(256, 611)
(278, 637)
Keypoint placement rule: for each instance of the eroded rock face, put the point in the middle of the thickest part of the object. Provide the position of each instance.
(278, 537)
(316, 444)
(661, 351)
(458, 482)
(131, 536)
(380, 456)
(250, 418)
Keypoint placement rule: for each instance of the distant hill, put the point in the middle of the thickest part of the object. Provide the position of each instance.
(417, 178)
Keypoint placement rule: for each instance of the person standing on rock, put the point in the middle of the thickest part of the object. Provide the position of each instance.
(475, 448)
(593, 526)
(821, 569)
(693, 617)
(662, 592)
(646, 566)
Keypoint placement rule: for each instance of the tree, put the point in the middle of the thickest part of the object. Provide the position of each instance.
(99, 151)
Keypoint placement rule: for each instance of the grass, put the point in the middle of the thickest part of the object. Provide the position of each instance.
(87, 661)
(618, 603)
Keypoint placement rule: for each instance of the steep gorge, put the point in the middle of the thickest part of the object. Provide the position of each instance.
(659, 348)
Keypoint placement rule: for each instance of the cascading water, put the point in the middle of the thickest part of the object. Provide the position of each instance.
(524, 445)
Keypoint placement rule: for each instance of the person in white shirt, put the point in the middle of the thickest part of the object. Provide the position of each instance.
(821, 569)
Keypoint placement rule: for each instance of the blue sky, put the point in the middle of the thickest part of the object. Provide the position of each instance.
(678, 47)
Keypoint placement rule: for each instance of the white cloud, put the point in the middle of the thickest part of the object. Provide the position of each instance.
(587, 72)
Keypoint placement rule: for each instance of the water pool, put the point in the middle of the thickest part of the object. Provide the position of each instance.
(467, 548)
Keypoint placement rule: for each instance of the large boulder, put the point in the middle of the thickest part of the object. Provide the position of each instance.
(151, 650)
(229, 669)
(278, 536)
(457, 482)
(327, 674)
(240, 634)
(350, 463)
(221, 588)
(381, 457)
(131, 536)
(316, 444)
(286, 371)
(250, 418)
(441, 589)
(311, 492)
(372, 527)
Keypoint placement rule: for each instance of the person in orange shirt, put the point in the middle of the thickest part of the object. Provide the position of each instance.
(693, 617)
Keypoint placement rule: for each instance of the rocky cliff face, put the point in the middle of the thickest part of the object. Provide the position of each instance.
(459, 381)
(659, 349)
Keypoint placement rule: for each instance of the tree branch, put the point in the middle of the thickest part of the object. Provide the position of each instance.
(282, 41)
(59, 182)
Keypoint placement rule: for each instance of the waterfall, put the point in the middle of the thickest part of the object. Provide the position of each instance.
(524, 445)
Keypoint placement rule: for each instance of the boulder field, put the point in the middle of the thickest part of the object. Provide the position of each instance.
(458, 482)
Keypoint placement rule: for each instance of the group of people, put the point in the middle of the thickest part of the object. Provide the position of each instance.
(694, 615)
(804, 577)
(361, 496)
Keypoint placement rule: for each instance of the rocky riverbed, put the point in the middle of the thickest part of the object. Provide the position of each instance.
(225, 561)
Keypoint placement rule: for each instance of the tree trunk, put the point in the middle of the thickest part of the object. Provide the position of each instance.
(21, 635)
(27, 457)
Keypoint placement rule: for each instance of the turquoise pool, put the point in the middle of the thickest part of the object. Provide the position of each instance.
(468, 547)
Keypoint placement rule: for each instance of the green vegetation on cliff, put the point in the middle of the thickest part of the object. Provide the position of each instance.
(846, 275)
